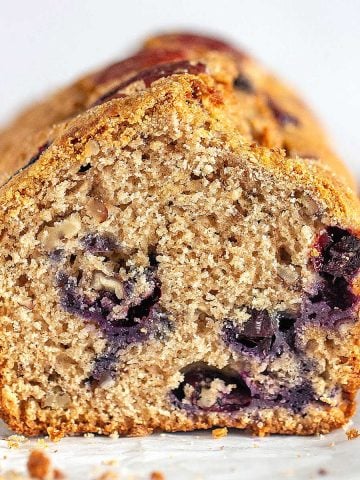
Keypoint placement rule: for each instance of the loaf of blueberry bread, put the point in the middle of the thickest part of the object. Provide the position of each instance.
(180, 249)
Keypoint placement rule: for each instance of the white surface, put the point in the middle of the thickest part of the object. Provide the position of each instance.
(315, 45)
(312, 43)
(197, 456)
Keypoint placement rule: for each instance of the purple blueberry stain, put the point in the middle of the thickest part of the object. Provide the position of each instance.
(105, 366)
(96, 243)
(297, 397)
(329, 302)
(57, 255)
(123, 321)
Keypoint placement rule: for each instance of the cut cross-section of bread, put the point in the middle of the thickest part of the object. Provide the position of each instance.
(162, 269)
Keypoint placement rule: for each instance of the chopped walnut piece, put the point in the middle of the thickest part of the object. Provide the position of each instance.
(14, 441)
(67, 228)
(97, 210)
(91, 148)
(101, 281)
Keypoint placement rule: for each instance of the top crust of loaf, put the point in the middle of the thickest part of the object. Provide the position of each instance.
(263, 110)
(180, 91)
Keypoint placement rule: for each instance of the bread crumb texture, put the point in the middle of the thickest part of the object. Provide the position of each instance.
(352, 433)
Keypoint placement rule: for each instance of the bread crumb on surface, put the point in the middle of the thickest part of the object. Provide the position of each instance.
(14, 441)
(157, 476)
(58, 474)
(39, 465)
(219, 432)
(352, 433)
(109, 475)
(322, 472)
(111, 462)
(12, 475)
(41, 443)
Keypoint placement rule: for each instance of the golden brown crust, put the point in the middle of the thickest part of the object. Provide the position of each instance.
(270, 114)
(302, 137)
(342, 202)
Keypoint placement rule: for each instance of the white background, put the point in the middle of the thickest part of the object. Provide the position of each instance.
(315, 44)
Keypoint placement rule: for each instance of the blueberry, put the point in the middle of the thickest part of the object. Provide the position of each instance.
(242, 83)
(282, 117)
(201, 383)
(263, 334)
(223, 399)
(331, 299)
(256, 337)
(121, 318)
(339, 253)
